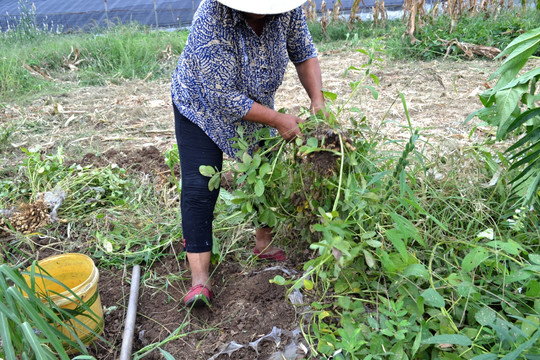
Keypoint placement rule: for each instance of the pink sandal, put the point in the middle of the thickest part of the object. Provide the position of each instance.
(198, 295)
(277, 256)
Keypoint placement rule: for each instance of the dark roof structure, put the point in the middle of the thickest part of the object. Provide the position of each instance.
(62, 15)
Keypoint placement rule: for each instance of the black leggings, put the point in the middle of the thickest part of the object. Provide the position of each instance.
(196, 202)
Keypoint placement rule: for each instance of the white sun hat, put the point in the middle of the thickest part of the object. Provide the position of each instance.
(263, 7)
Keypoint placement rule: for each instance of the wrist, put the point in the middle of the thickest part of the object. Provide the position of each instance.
(274, 119)
(317, 98)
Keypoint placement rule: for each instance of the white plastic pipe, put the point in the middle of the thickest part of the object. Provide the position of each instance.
(129, 327)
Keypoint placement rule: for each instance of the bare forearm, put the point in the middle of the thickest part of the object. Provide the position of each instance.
(309, 73)
(262, 115)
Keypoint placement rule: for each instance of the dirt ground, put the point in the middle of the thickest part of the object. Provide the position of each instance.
(132, 125)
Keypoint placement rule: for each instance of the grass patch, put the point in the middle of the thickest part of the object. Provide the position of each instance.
(35, 65)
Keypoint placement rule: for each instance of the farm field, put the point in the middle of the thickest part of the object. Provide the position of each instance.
(125, 131)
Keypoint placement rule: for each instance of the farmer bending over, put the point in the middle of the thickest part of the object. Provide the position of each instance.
(233, 63)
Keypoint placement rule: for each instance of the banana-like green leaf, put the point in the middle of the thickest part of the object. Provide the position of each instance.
(524, 175)
(532, 34)
(532, 137)
(529, 159)
(532, 190)
(518, 52)
(523, 118)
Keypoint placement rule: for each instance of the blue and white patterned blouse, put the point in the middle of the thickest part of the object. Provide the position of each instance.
(226, 67)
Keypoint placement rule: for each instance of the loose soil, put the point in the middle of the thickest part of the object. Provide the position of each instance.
(131, 125)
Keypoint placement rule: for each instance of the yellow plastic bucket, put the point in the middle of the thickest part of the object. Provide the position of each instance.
(79, 273)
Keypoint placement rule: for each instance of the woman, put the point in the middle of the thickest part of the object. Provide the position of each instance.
(233, 63)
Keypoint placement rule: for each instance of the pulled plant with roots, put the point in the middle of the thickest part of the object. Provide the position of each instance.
(293, 184)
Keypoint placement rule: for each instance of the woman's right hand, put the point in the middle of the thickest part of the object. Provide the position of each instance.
(287, 126)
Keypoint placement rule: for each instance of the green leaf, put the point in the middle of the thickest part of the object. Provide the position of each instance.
(166, 354)
(518, 275)
(534, 258)
(264, 169)
(530, 324)
(511, 247)
(312, 142)
(33, 341)
(374, 92)
(533, 189)
(246, 159)
(433, 298)
(485, 113)
(518, 51)
(416, 270)
(516, 353)
(533, 288)
(395, 237)
(308, 284)
(465, 289)
(474, 258)
(38, 312)
(485, 357)
(485, 316)
(368, 235)
(344, 302)
(375, 78)
(407, 229)
(533, 137)
(486, 234)
(416, 344)
(525, 37)
(523, 118)
(259, 188)
(206, 170)
(278, 279)
(374, 243)
(507, 101)
(369, 259)
(256, 161)
(449, 339)
(330, 95)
